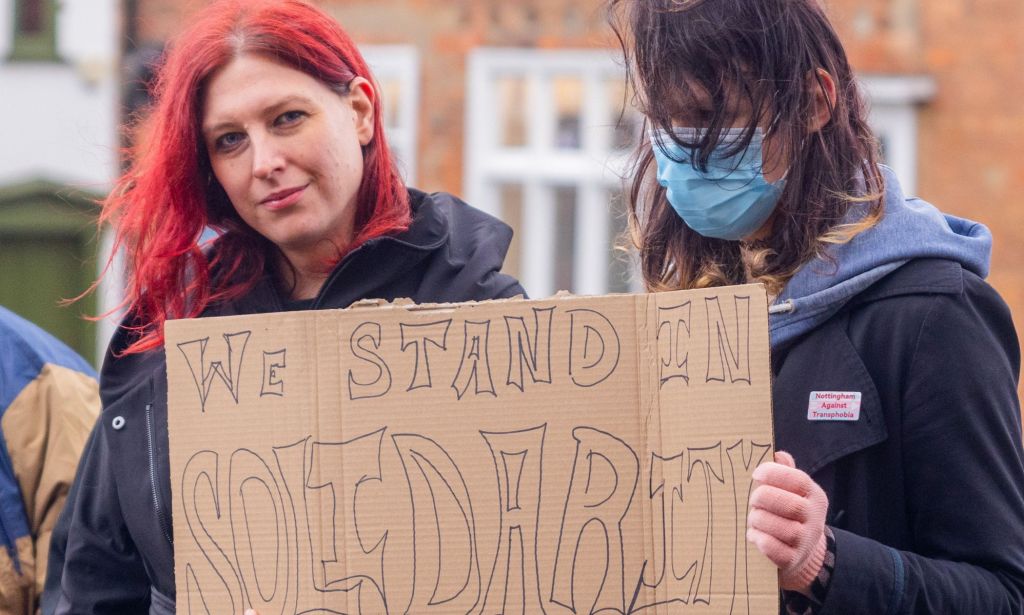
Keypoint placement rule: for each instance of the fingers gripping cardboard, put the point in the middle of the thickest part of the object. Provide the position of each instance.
(571, 455)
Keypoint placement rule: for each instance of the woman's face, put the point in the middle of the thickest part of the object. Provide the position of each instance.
(775, 157)
(287, 151)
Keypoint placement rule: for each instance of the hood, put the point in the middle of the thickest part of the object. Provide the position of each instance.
(909, 229)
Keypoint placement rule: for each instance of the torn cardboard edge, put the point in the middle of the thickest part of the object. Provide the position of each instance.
(573, 454)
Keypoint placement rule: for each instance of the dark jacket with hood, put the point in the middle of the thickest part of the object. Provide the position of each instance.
(113, 548)
(926, 487)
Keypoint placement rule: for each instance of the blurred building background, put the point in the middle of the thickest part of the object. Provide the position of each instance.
(58, 153)
(516, 106)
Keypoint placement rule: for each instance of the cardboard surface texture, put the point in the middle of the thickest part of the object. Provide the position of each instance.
(569, 455)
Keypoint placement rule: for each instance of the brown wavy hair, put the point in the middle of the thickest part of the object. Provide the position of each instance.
(756, 55)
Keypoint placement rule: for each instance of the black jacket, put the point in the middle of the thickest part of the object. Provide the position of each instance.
(926, 489)
(113, 542)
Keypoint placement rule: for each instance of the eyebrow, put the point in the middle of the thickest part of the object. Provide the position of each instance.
(269, 110)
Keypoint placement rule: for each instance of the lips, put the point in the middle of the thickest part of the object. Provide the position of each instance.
(283, 198)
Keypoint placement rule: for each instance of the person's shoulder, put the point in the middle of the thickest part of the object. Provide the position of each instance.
(924, 276)
(930, 281)
(121, 371)
(462, 220)
(24, 346)
(470, 251)
(938, 298)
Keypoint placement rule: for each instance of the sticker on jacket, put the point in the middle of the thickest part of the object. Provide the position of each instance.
(834, 406)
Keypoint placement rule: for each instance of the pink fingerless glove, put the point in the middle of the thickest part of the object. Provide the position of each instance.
(786, 521)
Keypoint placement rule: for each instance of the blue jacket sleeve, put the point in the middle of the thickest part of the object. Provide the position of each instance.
(964, 475)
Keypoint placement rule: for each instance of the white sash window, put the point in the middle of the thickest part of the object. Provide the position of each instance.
(894, 102)
(397, 69)
(546, 152)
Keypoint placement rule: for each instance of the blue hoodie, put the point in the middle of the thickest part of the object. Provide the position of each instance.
(910, 228)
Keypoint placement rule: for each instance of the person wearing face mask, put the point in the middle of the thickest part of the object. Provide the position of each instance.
(895, 365)
(267, 128)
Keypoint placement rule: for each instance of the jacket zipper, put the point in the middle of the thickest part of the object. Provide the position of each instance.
(160, 513)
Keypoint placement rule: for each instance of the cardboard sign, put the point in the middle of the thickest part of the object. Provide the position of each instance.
(570, 455)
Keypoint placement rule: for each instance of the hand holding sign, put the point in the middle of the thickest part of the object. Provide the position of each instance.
(787, 521)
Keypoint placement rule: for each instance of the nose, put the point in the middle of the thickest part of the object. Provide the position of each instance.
(267, 158)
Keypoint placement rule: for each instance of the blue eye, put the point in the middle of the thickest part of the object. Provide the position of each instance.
(228, 141)
(289, 117)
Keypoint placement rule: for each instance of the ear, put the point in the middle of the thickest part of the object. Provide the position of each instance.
(361, 96)
(824, 88)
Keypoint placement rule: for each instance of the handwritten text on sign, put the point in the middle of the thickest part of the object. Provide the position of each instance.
(595, 348)
(495, 460)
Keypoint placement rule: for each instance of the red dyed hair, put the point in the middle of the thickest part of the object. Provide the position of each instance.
(162, 204)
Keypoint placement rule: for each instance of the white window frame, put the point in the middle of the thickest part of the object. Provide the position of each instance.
(401, 62)
(594, 170)
(894, 101)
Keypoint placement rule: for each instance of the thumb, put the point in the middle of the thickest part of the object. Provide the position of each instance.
(784, 458)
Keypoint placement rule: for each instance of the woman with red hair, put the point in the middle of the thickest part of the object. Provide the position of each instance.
(266, 128)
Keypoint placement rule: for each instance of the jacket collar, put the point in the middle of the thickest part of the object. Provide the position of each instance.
(801, 371)
(429, 228)
(926, 275)
(372, 265)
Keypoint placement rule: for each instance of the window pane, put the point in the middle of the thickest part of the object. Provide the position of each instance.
(565, 236)
(568, 93)
(620, 268)
(626, 126)
(510, 197)
(390, 97)
(30, 16)
(511, 93)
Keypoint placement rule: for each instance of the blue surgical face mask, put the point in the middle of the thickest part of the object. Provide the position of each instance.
(729, 201)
